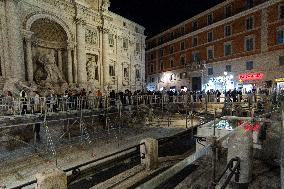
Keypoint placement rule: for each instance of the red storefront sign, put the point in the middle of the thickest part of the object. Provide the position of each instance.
(250, 76)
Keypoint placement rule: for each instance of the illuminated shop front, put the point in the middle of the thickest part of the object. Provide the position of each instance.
(250, 81)
(151, 87)
(280, 83)
(221, 83)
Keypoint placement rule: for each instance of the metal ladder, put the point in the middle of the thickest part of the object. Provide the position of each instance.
(85, 133)
(49, 142)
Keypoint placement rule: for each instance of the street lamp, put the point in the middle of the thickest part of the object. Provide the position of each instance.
(225, 82)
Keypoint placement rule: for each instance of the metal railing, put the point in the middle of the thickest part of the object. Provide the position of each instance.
(124, 154)
(20, 106)
(234, 166)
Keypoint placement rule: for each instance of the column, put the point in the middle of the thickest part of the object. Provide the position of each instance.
(30, 70)
(59, 56)
(102, 86)
(69, 65)
(104, 56)
(75, 72)
(16, 50)
(81, 52)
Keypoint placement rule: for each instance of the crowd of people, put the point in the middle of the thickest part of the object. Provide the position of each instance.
(32, 101)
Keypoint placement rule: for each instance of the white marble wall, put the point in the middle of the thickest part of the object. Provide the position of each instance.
(89, 17)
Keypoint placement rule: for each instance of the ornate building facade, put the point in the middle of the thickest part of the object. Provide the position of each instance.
(70, 42)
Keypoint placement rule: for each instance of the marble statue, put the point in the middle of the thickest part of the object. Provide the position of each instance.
(49, 68)
(90, 70)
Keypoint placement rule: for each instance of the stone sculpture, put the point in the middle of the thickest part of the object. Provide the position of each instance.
(92, 68)
(48, 70)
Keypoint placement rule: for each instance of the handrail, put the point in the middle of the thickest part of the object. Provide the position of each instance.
(234, 170)
(25, 184)
(170, 138)
(76, 169)
(105, 157)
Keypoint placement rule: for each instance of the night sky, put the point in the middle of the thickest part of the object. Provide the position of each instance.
(159, 15)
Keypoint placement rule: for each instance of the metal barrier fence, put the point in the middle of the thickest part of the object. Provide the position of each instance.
(19, 106)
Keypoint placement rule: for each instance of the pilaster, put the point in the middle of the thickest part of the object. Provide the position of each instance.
(81, 51)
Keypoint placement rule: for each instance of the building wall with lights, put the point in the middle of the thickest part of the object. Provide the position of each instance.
(237, 36)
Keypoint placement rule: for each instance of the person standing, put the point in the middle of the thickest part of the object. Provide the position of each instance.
(24, 98)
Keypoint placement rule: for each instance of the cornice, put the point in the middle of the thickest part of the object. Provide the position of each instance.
(194, 17)
(222, 22)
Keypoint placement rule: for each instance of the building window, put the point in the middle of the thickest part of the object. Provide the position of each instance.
(249, 23)
(210, 71)
(172, 49)
(137, 47)
(161, 40)
(249, 4)
(228, 30)
(125, 43)
(125, 72)
(172, 35)
(281, 60)
(111, 70)
(182, 60)
(161, 65)
(194, 25)
(249, 65)
(210, 36)
(97, 73)
(249, 44)
(209, 19)
(137, 74)
(280, 36)
(182, 30)
(228, 68)
(152, 79)
(152, 56)
(111, 40)
(124, 24)
(227, 49)
(210, 53)
(182, 45)
(194, 41)
(228, 11)
(161, 52)
(195, 56)
(281, 12)
(171, 63)
(152, 68)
